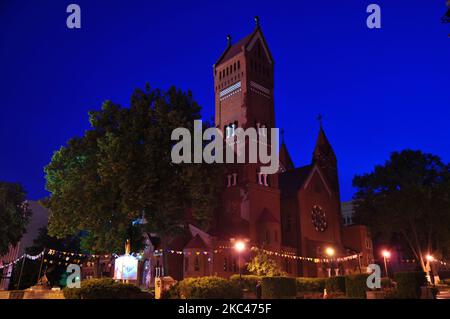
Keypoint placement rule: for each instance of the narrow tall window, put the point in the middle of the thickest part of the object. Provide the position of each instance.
(228, 180)
(197, 264)
(259, 178)
(234, 179)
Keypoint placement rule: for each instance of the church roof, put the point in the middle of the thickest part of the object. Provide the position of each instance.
(196, 242)
(291, 181)
(285, 158)
(234, 49)
(266, 217)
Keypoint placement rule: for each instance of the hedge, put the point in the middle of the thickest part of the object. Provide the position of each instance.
(356, 286)
(278, 287)
(248, 282)
(409, 283)
(305, 284)
(209, 288)
(386, 282)
(105, 288)
(335, 284)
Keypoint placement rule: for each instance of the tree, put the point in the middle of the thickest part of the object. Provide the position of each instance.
(14, 215)
(408, 197)
(263, 265)
(121, 169)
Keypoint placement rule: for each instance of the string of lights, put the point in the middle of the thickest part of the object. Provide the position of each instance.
(269, 252)
(64, 258)
(20, 258)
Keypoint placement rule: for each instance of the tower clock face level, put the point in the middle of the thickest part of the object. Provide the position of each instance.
(318, 218)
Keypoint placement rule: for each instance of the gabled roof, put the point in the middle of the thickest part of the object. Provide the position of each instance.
(266, 217)
(240, 46)
(196, 242)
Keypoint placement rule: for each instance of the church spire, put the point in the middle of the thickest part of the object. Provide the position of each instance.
(323, 152)
(285, 158)
(325, 158)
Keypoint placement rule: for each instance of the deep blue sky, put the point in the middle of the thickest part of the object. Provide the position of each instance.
(378, 90)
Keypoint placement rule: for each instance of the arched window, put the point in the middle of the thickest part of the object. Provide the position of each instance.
(267, 237)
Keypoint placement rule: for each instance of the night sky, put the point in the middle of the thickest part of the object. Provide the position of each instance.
(378, 90)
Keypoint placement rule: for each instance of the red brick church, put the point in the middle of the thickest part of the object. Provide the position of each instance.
(295, 212)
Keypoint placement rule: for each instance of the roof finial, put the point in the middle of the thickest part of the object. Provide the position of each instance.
(256, 18)
(282, 136)
(319, 118)
(229, 40)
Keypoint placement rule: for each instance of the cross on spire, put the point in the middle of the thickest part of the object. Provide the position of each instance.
(229, 40)
(319, 118)
(256, 18)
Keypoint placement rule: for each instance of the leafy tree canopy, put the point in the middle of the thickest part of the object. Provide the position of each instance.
(14, 215)
(121, 169)
(263, 265)
(408, 197)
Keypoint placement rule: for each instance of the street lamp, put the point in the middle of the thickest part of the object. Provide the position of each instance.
(330, 252)
(430, 259)
(386, 255)
(239, 246)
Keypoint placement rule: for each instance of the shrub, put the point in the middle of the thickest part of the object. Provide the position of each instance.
(264, 265)
(356, 286)
(248, 282)
(386, 282)
(409, 283)
(104, 288)
(335, 284)
(310, 284)
(172, 293)
(209, 288)
(279, 287)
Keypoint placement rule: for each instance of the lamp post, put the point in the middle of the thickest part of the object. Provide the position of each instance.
(386, 255)
(239, 246)
(330, 252)
(430, 259)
